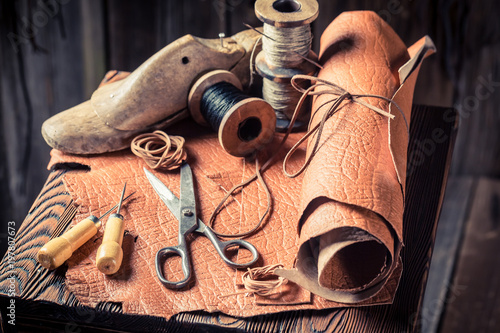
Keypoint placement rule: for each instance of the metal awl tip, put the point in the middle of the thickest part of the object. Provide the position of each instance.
(121, 199)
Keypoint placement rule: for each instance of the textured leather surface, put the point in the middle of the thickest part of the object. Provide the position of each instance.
(352, 199)
(354, 170)
(150, 226)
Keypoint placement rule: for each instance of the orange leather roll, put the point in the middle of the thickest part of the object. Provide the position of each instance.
(352, 198)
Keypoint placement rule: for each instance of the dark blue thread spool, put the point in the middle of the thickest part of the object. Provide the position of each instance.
(244, 124)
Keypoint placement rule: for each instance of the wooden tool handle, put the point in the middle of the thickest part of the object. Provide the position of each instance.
(58, 250)
(110, 253)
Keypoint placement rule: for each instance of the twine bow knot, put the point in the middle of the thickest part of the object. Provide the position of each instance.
(331, 89)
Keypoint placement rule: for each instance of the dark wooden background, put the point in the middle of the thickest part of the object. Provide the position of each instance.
(53, 53)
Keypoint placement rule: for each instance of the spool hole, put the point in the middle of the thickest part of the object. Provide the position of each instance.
(249, 129)
(185, 60)
(287, 6)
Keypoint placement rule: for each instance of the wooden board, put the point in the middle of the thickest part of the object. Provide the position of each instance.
(459, 194)
(51, 212)
(40, 75)
(473, 299)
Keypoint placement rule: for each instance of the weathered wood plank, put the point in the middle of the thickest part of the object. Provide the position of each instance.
(93, 45)
(131, 33)
(40, 77)
(5, 197)
(459, 194)
(239, 12)
(477, 101)
(49, 216)
(477, 89)
(205, 19)
(473, 303)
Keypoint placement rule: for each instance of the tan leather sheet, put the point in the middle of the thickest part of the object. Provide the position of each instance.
(150, 226)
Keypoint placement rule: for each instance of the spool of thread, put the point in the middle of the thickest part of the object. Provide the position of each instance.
(285, 45)
(244, 124)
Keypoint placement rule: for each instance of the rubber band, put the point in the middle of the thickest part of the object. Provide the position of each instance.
(159, 150)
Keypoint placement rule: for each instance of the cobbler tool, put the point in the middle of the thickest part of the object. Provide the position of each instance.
(244, 124)
(184, 210)
(110, 254)
(58, 250)
(154, 96)
(286, 51)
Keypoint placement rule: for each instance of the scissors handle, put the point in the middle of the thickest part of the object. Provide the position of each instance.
(162, 257)
(222, 246)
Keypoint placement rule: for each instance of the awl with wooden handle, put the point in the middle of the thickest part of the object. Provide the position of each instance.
(110, 253)
(58, 250)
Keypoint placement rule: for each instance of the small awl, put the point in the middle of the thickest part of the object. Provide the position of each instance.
(58, 250)
(110, 253)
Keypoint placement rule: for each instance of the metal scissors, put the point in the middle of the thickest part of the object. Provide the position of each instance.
(184, 210)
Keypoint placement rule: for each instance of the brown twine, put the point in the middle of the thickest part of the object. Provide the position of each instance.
(274, 40)
(159, 150)
(317, 130)
(257, 175)
(257, 281)
(252, 61)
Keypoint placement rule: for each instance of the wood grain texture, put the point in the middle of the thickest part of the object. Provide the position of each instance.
(93, 44)
(456, 205)
(477, 90)
(427, 177)
(473, 302)
(40, 48)
(49, 216)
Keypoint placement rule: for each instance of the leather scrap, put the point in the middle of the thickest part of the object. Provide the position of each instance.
(150, 226)
(352, 198)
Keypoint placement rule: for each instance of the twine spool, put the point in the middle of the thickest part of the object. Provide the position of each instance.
(285, 47)
(244, 124)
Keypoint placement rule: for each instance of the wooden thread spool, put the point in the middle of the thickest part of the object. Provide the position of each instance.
(286, 42)
(244, 124)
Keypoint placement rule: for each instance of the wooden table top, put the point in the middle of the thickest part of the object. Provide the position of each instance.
(42, 302)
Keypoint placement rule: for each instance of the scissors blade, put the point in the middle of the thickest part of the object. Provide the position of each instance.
(168, 197)
(187, 210)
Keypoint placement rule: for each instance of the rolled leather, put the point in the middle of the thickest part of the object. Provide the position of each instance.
(352, 197)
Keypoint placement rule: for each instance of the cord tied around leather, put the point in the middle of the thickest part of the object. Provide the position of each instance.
(342, 95)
